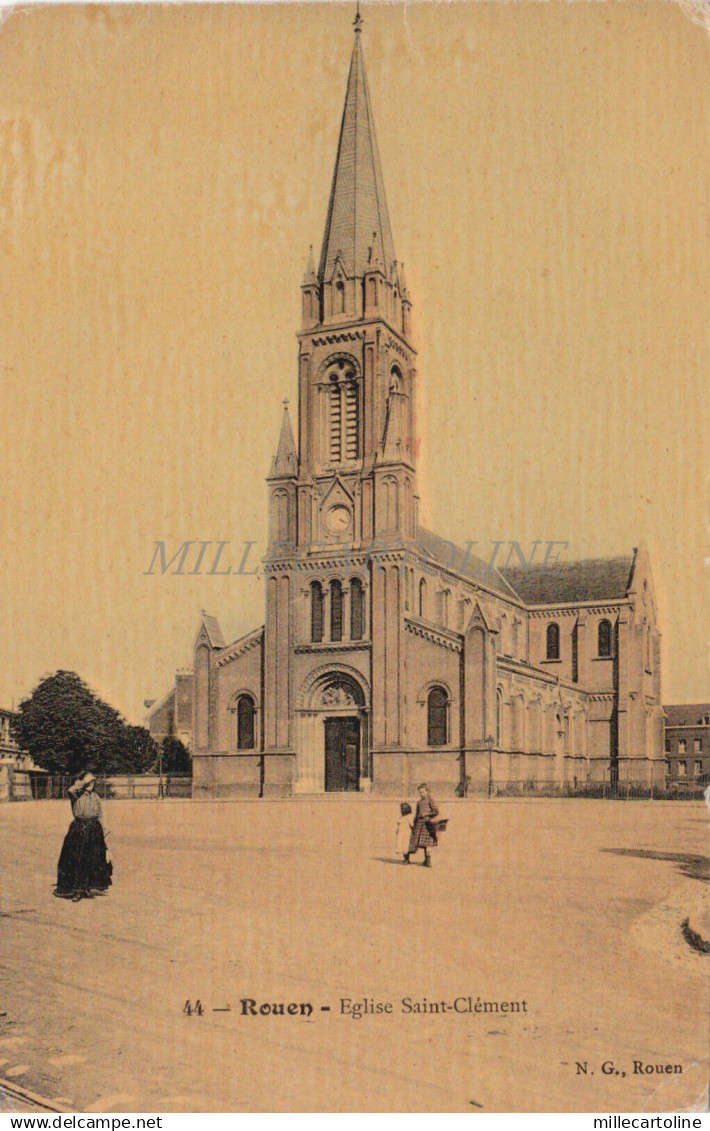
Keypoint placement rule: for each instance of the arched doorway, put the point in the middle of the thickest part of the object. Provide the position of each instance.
(341, 700)
(333, 752)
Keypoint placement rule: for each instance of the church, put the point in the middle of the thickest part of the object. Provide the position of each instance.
(389, 656)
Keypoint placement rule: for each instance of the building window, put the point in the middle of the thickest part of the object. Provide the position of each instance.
(390, 488)
(668, 746)
(245, 723)
(697, 745)
(681, 746)
(280, 516)
(499, 713)
(697, 769)
(336, 611)
(335, 420)
(339, 297)
(422, 598)
(668, 766)
(682, 769)
(356, 609)
(436, 706)
(604, 638)
(553, 642)
(352, 421)
(344, 421)
(316, 612)
(442, 609)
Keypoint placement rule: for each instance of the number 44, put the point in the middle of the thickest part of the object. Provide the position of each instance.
(189, 1008)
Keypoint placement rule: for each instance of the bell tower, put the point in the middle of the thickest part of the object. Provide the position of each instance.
(343, 502)
(356, 477)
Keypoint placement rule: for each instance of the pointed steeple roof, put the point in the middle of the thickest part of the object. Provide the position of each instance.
(357, 206)
(286, 458)
(210, 631)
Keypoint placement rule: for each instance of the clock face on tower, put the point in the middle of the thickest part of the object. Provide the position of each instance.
(337, 519)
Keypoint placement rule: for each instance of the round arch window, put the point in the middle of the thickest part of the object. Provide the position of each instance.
(437, 717)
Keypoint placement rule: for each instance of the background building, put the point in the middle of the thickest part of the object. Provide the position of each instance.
(8, 747)
(687, 742)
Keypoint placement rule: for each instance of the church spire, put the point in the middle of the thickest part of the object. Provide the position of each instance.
(286, 459)
(357, 206)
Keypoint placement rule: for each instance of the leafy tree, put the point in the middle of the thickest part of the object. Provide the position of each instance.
(140, 750)
(176, 756)
(66, 728)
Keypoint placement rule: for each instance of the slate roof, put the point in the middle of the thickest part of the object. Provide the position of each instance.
(357, 206)
(594, 579)
(453, 557)
(686, 714)
(213, 631)
(285, 462)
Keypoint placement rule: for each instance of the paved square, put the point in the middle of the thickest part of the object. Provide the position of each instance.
(573, 907)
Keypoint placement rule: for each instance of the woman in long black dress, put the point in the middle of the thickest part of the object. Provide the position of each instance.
(423, 832)
(84, 869)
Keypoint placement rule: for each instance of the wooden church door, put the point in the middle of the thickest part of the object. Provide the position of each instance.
(342, 755)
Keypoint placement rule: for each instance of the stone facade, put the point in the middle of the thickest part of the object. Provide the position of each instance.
(687, 743)
(389, 656)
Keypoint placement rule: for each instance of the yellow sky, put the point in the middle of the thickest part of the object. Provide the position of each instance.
(162, 172)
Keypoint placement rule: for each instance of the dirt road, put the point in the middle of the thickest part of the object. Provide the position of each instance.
(569, 909)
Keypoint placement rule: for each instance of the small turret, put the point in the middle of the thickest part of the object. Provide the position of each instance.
(374, 280)
(311, 296)
(285, 464)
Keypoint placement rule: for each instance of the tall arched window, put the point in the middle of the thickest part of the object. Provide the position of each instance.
(391, 498)
(339, 297)
(280, 516)
(422, 598)
(344, 413)
(316, 612)
(604, 638)
(372, 288)
(499, 717)
(336, 424)
(352, 420)
(436, 706)
(357, 619)
(553, 642)
(336, 611)
(465, 607)
(245, 723)
(535, 726)
(442, 607)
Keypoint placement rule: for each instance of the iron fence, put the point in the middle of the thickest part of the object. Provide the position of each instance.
(29, 785)
(612, 791)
